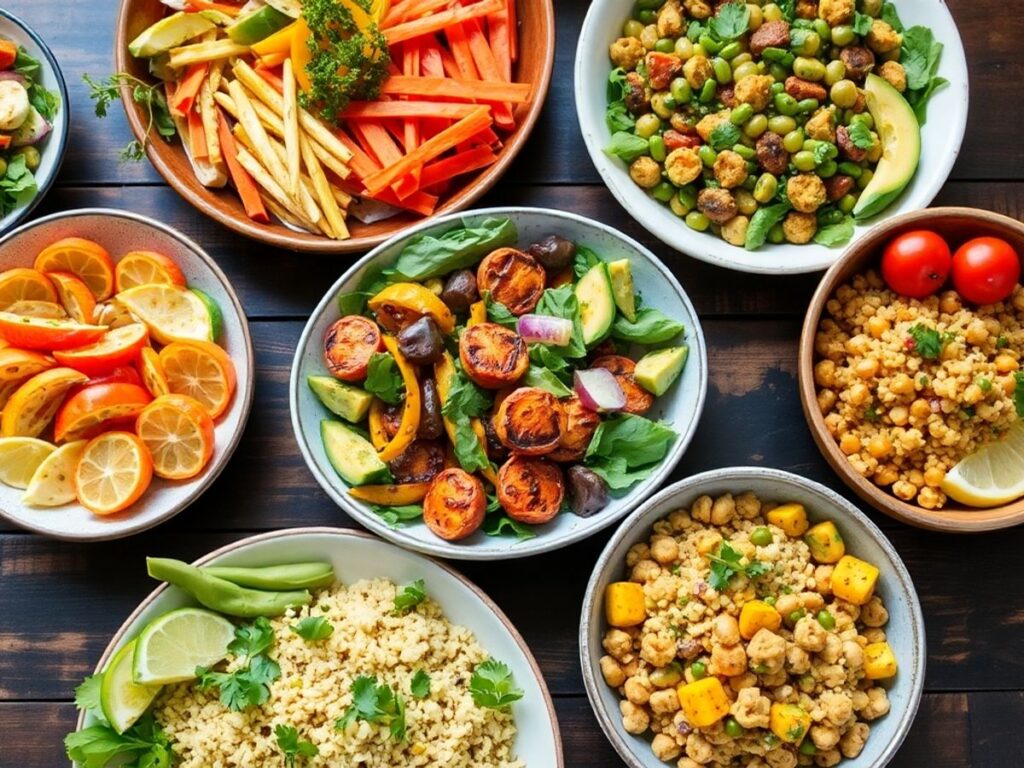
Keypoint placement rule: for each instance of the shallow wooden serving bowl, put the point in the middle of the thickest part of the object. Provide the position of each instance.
(956, 225)
(537, 53)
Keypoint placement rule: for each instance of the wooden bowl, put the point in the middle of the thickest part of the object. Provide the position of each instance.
(956, 225)
(537, 54)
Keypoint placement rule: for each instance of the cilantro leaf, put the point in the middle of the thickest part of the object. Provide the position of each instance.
(409, 596)
(144, 745)
(726, 563)
(891, 17)
(731, 21)
(927, 342)
(724, 136)
(1018, 393)
(420, 684)
(313, 629)
(627, 146)
(149, 96)
(862, 23)
(249, 684)
(616, 114)
(373, 703)
(383, 378)
(87, 694)
(860, 135)
(492, 686)
(252, 639)
(291, 746)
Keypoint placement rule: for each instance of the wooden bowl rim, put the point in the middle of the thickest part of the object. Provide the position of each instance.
(951, 519)
(277, 234)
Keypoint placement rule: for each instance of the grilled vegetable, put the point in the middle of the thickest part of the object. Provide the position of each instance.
(530, 421)
(579, 428)
(401, 304)
(431, 420)
(513, 278)
(460, 291)
(553, 252)
(853, 580)
(421, 341)
(455, 504)
(419, 463)
(588, 492)
(349, 344)
(493, 356)
(530, 489)
(638, 400)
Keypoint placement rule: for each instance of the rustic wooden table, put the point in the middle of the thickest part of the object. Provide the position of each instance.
(60, 603)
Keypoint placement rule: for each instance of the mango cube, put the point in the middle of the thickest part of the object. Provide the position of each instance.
(756, 615)
(825, 543)
(624, 604)
(854, 580)
(789, 722)
(879, 661)
(791, 518)
(704, 701)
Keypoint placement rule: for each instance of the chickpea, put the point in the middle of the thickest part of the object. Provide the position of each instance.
(899, 415)
(664, 702)
(867, 368)
(657, 650)
(612, 671)
(618, 644)
(949, 302)
(874, 613)
(665, 747)
(728, 660)
(726, 630)
(823, 579)
(877, 326)
(826, 400)
(634, 719)
(637, 691)
(786, 604)
(646, 172)
(901, 384)
(933, 477)
(734, 231)
(1006, 363)
(859, 394)
(849, 444)
(825, 373)
(920, 409)
(879, 447)
(723, 510)
(665, 550)
(645, 571)
(701, 509)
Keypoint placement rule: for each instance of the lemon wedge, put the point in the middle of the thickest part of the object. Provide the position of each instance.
(993, 475)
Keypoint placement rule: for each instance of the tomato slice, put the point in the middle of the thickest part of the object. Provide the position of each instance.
(46, 334)
(93, 407)
(117, 347)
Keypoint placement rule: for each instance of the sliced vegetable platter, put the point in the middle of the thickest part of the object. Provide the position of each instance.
(669, 419)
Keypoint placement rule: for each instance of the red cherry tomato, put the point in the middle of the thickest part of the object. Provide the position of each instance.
(986, 270)
(916, 264)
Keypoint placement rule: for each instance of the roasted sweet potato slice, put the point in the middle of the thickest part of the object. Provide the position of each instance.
(419, 463)
(580, 425)
(493, 356)
(530, 489)
(638, 399)
(349, 344)
(530, 421)
(514, 278)
(455, 504)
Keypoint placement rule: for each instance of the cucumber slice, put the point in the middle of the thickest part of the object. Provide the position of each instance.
(257, 26)
(351, 403)
(597, 304)
(169, 33)
(352, 456)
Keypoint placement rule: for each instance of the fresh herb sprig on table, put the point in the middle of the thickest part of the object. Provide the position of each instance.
(375, 703)
(726, 563)
(147, 95)
(249, 685)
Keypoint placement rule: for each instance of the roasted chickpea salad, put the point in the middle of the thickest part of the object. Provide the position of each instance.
(481, 386)
(746, 637)
(771, 122)
(285, 666)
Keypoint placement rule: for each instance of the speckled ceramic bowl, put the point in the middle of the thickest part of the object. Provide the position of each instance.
(680, 406)
(904, 631)
(120, 232)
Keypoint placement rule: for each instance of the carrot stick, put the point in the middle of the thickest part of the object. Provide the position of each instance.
(488, 68)
(436, 146)
(431, 64)
(411, 9)
(513, 29)
(375, 139)
(435, 22)
(371, 110)
(456, 165)
(451, 68)
(204, 5)
(419, 202)
(188, 88)
(196, 135)
(247, 190)
(498, 36)
(411, 66)
(455, 88)
(459, 46)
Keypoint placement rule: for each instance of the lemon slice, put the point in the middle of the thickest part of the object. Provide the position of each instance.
(53, 482)
(991, 476)
(172, 646)
(168, 33)
(122, 700)
(171, 312)
(20, 457)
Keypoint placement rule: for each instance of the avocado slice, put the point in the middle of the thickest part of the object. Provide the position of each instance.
(597, 304)
(351, 403)
(621, 275)
(657, 371)
(168, 33)
(352, 455)
(257, 26)
(900, 135)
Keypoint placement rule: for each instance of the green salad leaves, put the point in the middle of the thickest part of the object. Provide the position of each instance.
(17, 185)
(383, 378)
(291, 746)
(433, 255)
(626, 449)
(617, 115)
(409, 596)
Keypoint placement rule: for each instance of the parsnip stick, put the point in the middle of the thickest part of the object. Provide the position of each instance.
(265, 180)
(322, 188)
(291, 128)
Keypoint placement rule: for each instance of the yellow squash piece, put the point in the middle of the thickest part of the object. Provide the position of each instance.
(477, 313)
(402, 303)
(825, 543)
(390, 495)
(854, 580)
(410, 410)
(757, 615)
(789, 722)
(791, 518)
(624, 604)
(704, 701)
(879, 661)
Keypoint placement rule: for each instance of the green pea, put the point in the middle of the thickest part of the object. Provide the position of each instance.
(731, 51)
(663, 192)
(786, 104)
(847, 203)
(851, 169)
(760, 669)
(770, 600)
(744, 151)
(741, 114)
(688, 196)
(647, 16)
(681, 90)
(665, 45)
(776, 236)
(762, 535)
(828, 217)
(657, 148)
(796, 615)
(827, 169)
(710, 44)
(698, 50)
(723, 72)
(808, 69)
(772, 12)
(804, 161)
(807, 105)
(778, 71)
(732, 728)
(677, 207)
(707, 93)
(32, 157)
(647, 125)
(809, 44)
(827, 620)
(684, 48)
(865, 178)
(844, 93)
(697, 221)
(661, 105)
(793, 141)
(756, 126)
(834, 72)
(633, 28)
(698, 668)
(782, 124)
(807, 747)
(865, 118)
(777, 88)
(823, 30)
(842, 35)
(707, 155)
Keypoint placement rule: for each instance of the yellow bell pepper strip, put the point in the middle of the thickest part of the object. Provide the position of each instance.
(300, 53)
(378, 436)
(390, 495)
(279, 42)
(444, 370)
(402, 303)
(477, 313)
(410, 411)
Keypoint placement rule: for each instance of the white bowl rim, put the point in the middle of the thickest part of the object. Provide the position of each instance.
(738, 475)
(539, 545)
(222, 457)
(348, 533)
(704, 246)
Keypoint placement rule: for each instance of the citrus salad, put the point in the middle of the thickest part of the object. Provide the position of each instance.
(109, 374)
(318, 108)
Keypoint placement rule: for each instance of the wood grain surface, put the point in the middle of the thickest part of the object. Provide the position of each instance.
(60, 603)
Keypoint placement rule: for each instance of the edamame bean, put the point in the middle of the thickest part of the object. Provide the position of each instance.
(765, 189)
(844, 93)
(681, 90)
(276, 577)
(751, 181)
(865, 118)
(776, 235)
(782, 124)
(777, 88)
(688, 196)
(804, 161)
(745, 202)
(677, 207)
(723, 72)
(698, 50)
(807, 44)
(778, 72)
(647, 16)
(807, 748)
(756, 17)
(824, 31)
(744, 69)
(757, 125)
(649, 37)
(731, 51)
(827, 620)
(865, 178)
(741, 114)
(834, 72)
(786, 104)
(827, 169)
(221, 595)
(656, 145)
(665, 45)
(697, 221)
(793, 141)
(661, 106)
(684, 48)
(743, 58)
(710, 44)
(831, 150)
(743, 151)
(851, 169)
(842, 35)
(633, 28)
(707, 93)
(732, 728)
(707, 155)
(807, 105)
(828, 217)
(808, 69)
(772, 12)
(663, 192)
(647, 125)
(847, 203)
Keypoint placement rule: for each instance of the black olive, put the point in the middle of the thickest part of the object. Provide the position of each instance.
(554, 252)
(460, 290)
(431, 423)
(588, 491)
(421, 342)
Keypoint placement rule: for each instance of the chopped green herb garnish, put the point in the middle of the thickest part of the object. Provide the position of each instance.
(726, 563)
(149, 96)
(420, 684)
(492, 685)
(313, 629)
(249, 685)
(291, 746)
(927, 342)
(409, 596)
(373, 703)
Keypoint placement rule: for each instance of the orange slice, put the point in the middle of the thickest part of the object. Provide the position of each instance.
(33, 405)
(146, 268)
(48, 310)
(91, 408)
(178, 432)
(17, 365)
(118, 347)
(75, 295)
(201, 370)
(113, 473)
(83, 258)
(152, 371)
(23, 284)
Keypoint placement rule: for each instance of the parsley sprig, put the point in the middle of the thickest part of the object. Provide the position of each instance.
(374, 702)
(291, 746)
(492, 686)
(249, 684)
(726, 563)
(147, 95)
(928, 342)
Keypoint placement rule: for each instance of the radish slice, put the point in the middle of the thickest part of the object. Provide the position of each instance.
(543, 329)
(9, 74)
(599, 390)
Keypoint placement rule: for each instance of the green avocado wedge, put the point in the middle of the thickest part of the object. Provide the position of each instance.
(900, 135)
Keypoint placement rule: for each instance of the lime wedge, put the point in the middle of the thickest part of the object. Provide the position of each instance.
(172, 646)
(216, 316)
(168, 33)
(172, 313)
(123, 701)
(991, 476)
(20, 457)
(53, 482)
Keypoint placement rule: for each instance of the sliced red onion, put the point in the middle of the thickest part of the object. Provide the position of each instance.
(9, 74)
(556, 331)
(599, 390)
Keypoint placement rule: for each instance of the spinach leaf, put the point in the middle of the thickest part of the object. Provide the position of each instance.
(502, 525)
(546, 357)
(920, 58)
(918, 100)
(724, 136)
(395, 516)
(652, 326)
(626, 449)
(616, 115)
(627, 146)
(538, 376)
(433, 255)
(731, 21)
(17, 185)
(788, 8)
(762, 222)
(891, 16)
(585, 259)
(354, 302)
(144, 744)
(465, 402)
(383, 378)
(498, 312)
(835, 234)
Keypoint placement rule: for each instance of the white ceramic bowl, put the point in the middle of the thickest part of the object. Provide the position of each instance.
(941, 137)
(681, 406)
(904, 630)
(51, 150)
(355, 556)
(120, 232)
